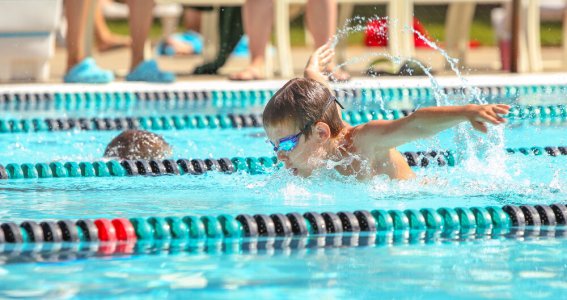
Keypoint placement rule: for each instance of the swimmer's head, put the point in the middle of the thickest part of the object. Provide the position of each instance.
(300, 121)
(138, 144)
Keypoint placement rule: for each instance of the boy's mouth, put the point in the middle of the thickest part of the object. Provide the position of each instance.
(293, 170)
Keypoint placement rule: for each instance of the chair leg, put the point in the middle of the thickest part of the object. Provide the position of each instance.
(345, 12)
(281, 12)
(405, 8)
(5, 70)
(148, 53)
(457, 26)
(393, 28)
(168, 24)
(400, 36)
(533, 36)
(269, 63)
(89, 29)
(42, 71)
(523, 57)
(209, 23)
(565, 36)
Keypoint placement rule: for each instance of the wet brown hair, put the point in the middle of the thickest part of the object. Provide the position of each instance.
(138, 144)
(301, 101)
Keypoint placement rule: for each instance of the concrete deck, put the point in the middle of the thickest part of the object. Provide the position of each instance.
(484, 60)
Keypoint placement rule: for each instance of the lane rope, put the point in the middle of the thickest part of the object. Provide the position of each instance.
(225, 121)
(226, 226)
(176, 99)
(182, 166)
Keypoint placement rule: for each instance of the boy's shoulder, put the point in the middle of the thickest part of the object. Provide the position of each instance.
(362, 137)
(351, 142)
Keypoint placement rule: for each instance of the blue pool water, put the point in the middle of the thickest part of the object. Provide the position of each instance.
(197, 143)
(445, 267)
(493, 269)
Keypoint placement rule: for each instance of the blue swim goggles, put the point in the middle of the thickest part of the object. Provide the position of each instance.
(288, 143)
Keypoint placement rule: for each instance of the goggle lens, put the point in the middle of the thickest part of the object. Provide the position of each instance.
(287, 144)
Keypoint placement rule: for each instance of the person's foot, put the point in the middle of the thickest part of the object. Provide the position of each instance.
(186, 43)
(250, 73)
(339, 75)
(86, 71)
(113, 42)
(149, 71)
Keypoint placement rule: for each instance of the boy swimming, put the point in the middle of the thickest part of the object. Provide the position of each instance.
(304, 125)
(138, 144)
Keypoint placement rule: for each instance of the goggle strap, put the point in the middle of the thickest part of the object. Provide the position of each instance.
(340, 105)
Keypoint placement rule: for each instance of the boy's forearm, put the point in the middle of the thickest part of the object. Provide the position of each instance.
(426, 122)
(431, 120)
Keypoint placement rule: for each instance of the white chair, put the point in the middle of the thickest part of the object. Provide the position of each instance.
(27, 38)
(457, 24)
(459, 19)
(533, 11)
(398, 16)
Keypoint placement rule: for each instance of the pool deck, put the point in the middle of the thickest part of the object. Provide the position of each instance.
(483, 60)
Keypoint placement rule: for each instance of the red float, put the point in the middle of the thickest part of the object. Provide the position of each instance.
(106, 231)
(124, 230)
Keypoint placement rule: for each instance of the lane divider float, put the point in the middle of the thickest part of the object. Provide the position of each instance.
(182, 166)
(227, 226)
(225, 121)
(65, 251)
(175, 99)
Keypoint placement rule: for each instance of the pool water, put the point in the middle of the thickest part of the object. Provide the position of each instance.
(488, 269)
(197, 143)
(468, 266)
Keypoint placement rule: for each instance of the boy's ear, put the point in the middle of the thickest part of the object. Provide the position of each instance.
(322, 131)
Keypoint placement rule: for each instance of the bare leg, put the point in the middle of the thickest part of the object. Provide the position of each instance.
(321, 19)
(140, 22)
(105, 39)
(258, 30)
(192, 19)
(76, 13)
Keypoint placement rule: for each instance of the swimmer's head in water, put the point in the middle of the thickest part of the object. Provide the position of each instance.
(138, 144)
(302, 102)
(300, 121)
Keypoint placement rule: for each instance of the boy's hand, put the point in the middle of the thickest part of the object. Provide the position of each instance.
(317, 63)
(479, 114)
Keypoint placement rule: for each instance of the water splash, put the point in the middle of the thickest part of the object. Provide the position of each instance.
(490, 148)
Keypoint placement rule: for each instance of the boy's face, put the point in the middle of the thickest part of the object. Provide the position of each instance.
(305, 157)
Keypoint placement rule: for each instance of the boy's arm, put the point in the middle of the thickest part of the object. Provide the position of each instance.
(426, 122)
(317, 63)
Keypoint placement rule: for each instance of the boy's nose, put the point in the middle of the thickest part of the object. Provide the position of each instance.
(281, 156)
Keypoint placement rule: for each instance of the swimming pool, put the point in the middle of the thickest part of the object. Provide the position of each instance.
(187, 255)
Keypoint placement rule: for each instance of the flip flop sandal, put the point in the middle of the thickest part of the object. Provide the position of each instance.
(148, 71)
(242, 49)
(88, 72)
(189, 37)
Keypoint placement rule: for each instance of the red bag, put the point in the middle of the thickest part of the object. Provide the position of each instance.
(377, 34)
